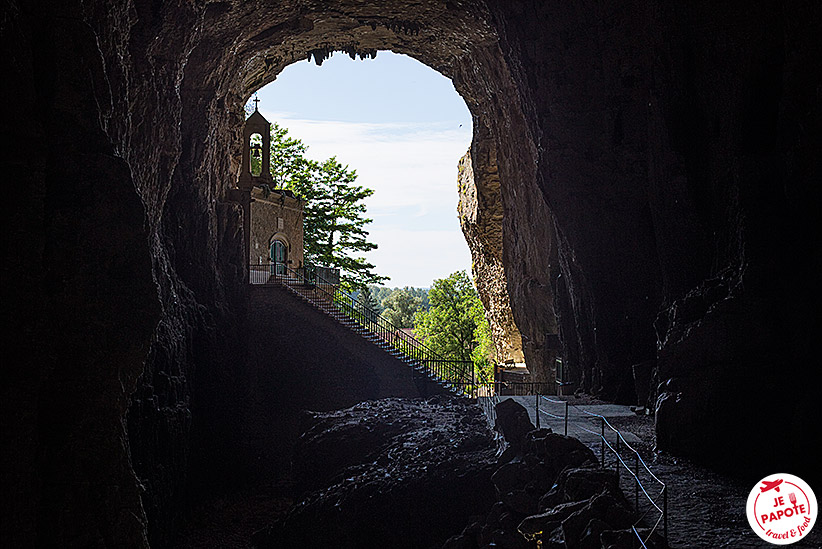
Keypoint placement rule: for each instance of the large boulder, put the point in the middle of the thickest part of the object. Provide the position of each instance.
(551, 489)
(585, 509)
(513, 423)
(389, 473)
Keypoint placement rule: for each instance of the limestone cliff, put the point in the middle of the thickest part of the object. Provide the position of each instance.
(482, 227)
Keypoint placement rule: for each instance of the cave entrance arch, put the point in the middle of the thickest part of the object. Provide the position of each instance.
(402, 128)
(484, 228)
(232, 61)
(150, 97)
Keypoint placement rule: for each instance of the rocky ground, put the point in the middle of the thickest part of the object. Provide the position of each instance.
(411, 473)
(402, 473)
(705, 509)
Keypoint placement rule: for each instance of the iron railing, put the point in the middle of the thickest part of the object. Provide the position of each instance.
(650, 493)
(457, 375)
(267, 273)
(623, 454)
(522, 388)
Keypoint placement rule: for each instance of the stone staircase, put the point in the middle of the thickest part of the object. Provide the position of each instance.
(322, 300)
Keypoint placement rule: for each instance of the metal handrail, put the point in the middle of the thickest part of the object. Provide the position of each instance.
(523, 388)
(374, 318)
(493, 390)
(618, 458)
(445, 370)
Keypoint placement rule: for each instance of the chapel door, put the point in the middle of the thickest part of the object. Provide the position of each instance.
(279, 257)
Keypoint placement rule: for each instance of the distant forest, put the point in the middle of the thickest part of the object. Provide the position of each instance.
(398, 305)
(380, 293)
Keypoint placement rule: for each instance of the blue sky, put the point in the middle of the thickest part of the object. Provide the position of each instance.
(403, 128)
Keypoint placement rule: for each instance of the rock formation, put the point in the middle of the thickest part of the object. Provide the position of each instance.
(389, 473)
(551, 489)
(666, 154)
(514, 274)
(481, 222)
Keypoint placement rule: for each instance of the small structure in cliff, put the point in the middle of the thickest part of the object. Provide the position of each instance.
(274, 217)
(252, 173)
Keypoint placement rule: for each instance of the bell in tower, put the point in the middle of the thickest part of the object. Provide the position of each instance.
(256, 124)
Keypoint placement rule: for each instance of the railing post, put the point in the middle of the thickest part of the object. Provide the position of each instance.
(665, 513)
(616, 457)
(473, 393)
(602, 442)
(636, 481)
(566, 418)
(536, 405)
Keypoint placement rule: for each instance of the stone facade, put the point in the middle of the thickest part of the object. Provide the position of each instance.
(276, 215)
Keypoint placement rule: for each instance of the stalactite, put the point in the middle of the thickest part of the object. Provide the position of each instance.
(410, 28)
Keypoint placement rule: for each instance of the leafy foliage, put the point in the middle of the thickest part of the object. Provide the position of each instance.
(455, 324)
(335, 221)
(400, 307)
(380, 293)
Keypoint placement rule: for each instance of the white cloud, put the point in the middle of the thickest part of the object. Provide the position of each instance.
(417, 257)
(413, 171)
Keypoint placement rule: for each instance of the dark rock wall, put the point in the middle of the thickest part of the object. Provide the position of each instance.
(742, 140)
(79, 301)
(583, 79)
(678, 149)
(503, 153)
(113, 274)
(675, 146)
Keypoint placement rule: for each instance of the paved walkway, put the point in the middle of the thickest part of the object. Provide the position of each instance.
(585, 421)
(705, 509)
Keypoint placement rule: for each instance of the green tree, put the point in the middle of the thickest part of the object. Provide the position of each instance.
(421, 293)
(455, 325)
(335, 223)
(367, 298)
(382, 292)
(400, 307)
(289, 166)
(483, 354)
(379, 293)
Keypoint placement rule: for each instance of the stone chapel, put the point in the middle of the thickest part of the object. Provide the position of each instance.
(274, 216)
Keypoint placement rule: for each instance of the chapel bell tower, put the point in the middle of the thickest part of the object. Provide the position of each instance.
(256, 124)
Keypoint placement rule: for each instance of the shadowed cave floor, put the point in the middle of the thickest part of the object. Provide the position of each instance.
(706, 509)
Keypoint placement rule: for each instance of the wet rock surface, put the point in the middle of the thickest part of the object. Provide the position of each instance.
(389, 473)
